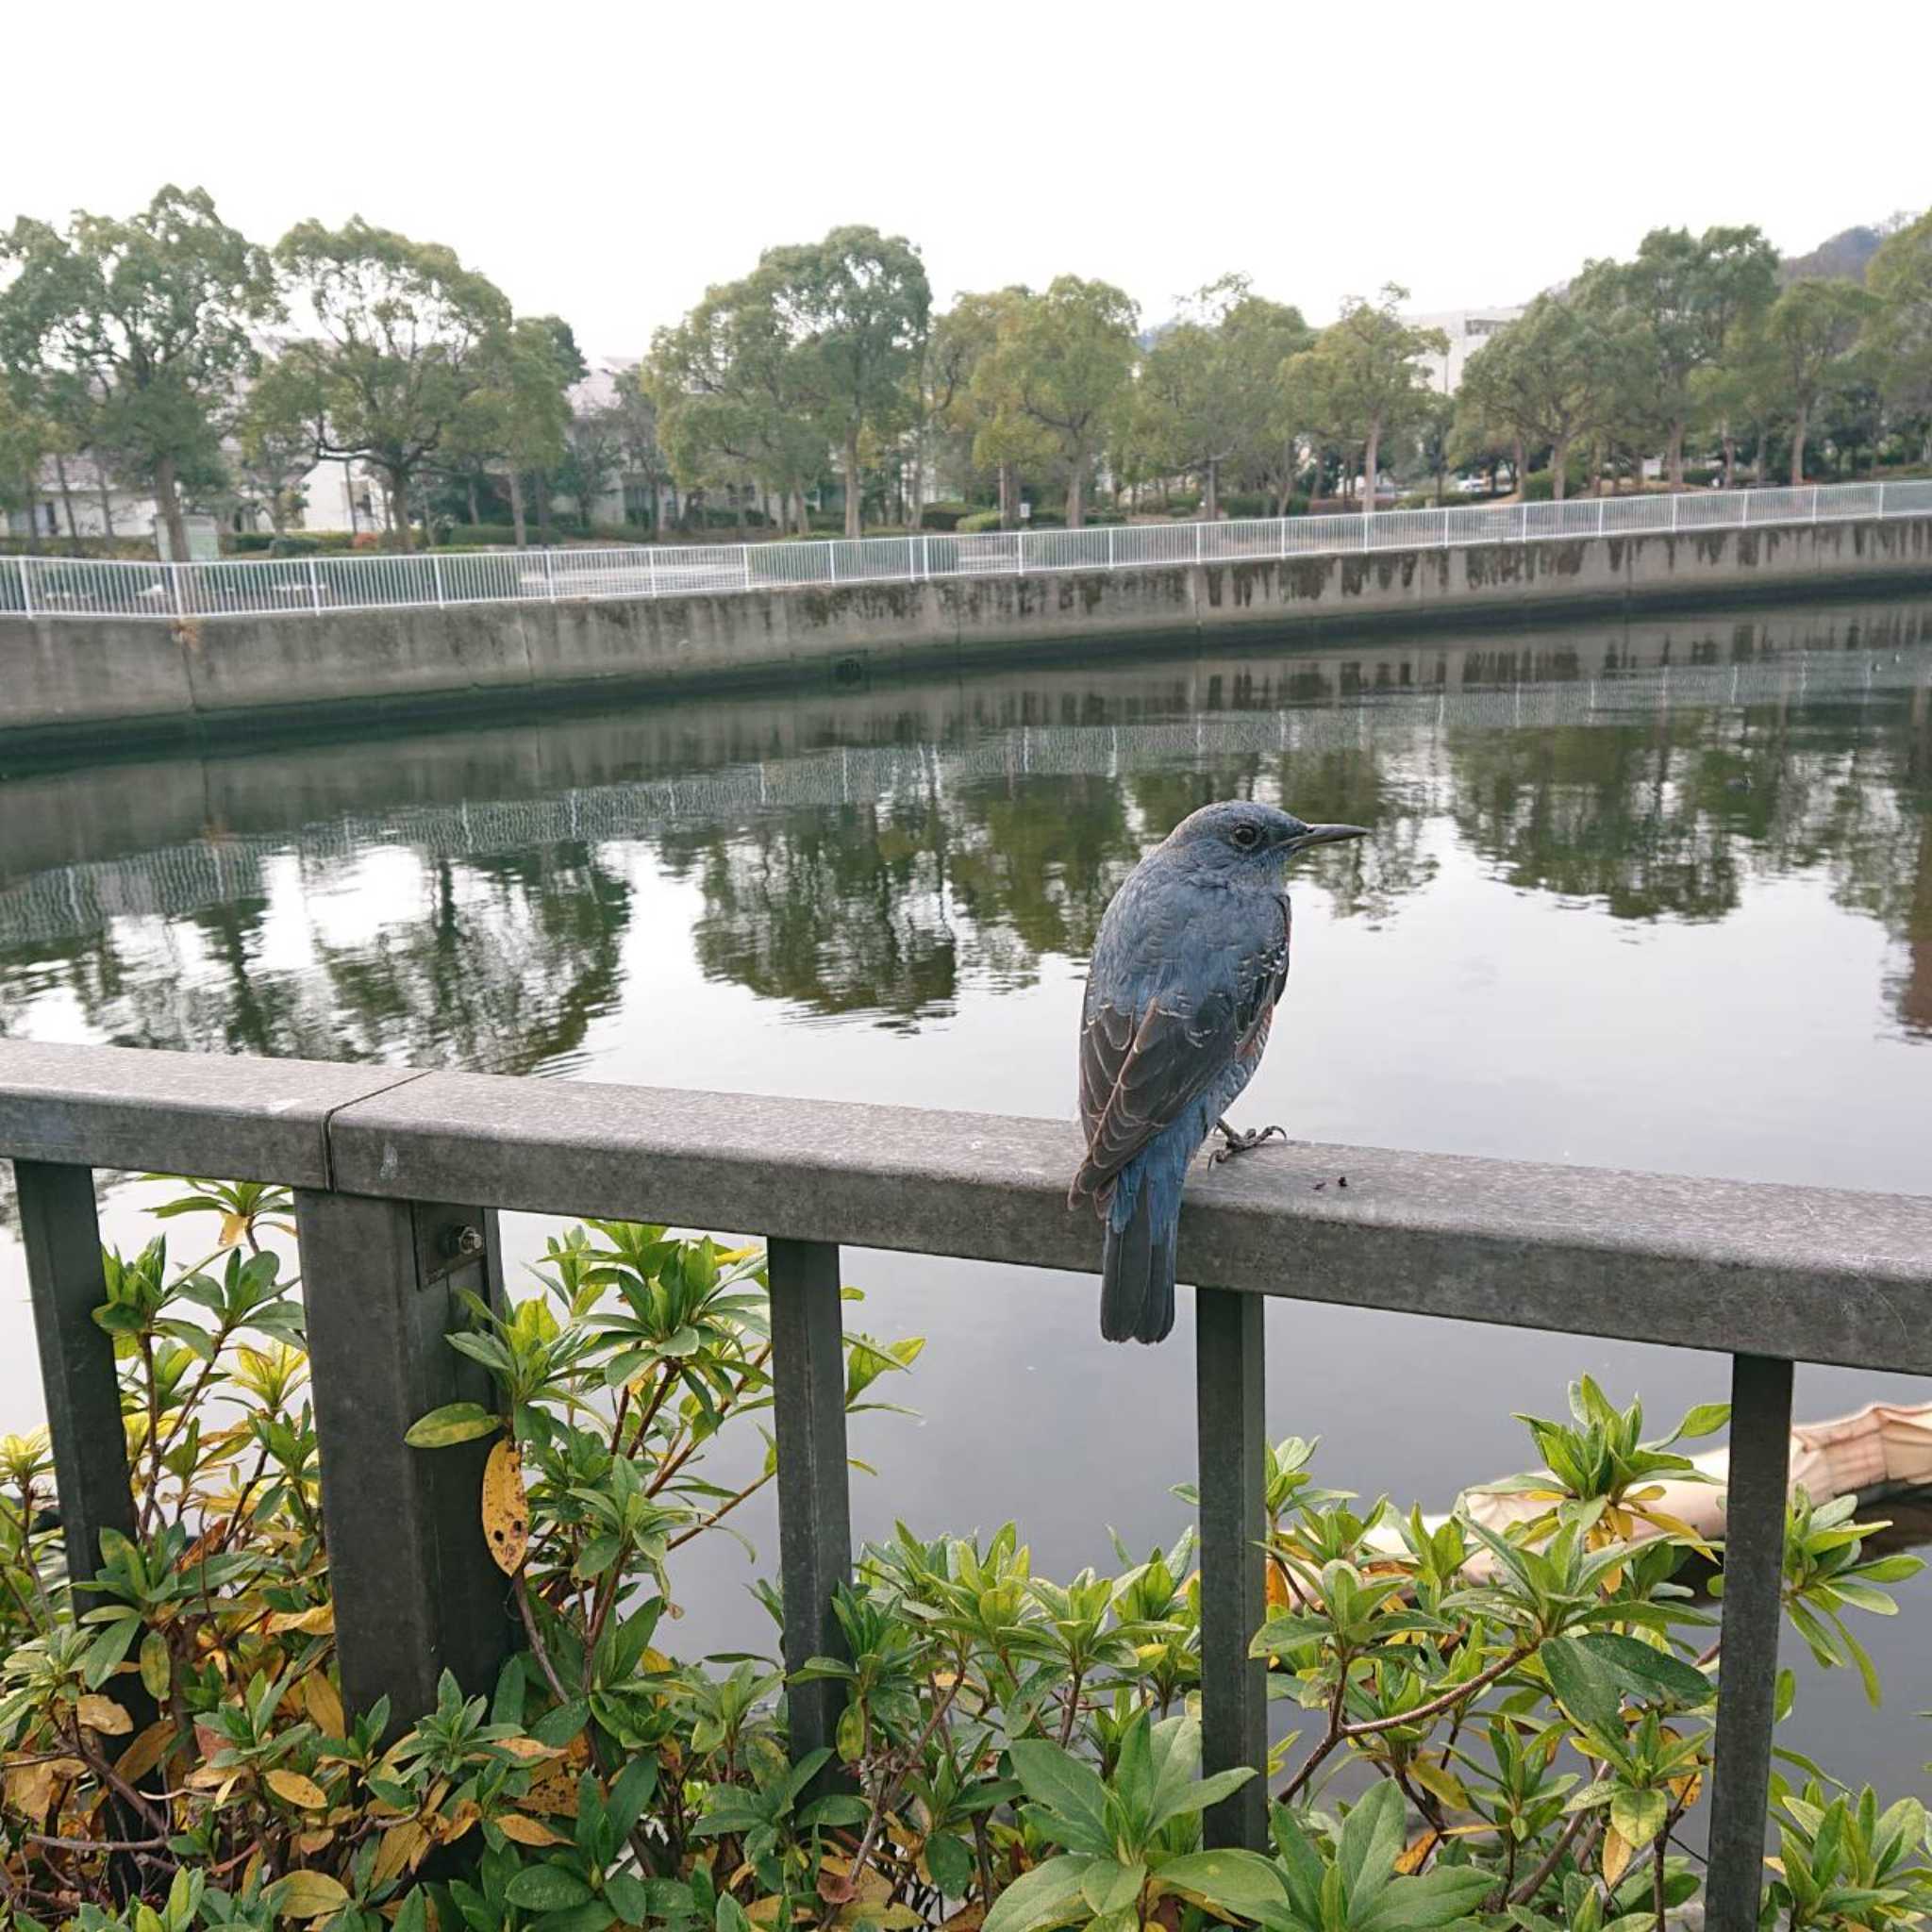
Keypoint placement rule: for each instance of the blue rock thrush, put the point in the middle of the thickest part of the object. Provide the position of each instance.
(1192, 956)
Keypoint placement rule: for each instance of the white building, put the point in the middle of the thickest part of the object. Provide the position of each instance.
(337, 496)
(1468, 329)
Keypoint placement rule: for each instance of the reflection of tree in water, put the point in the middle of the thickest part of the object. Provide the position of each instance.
(842, 907)
(1613, 812)
(500, 969)
(1664, 816)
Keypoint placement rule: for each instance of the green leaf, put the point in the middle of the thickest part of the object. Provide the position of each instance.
(591, 1916)
(1072, 1791)
(547, 1889)
(1110, 1887)
(1037, 1898)
(947, 1857)
(1373, 1836)
(1649, 1671)
(1230, 1880)
(1419, 1905)
(1638, 1816)
(455, 1422)
(1583, 1683)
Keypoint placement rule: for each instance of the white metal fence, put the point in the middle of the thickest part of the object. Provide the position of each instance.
(271, 587)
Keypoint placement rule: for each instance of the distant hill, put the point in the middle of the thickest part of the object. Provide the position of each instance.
(1844, 257)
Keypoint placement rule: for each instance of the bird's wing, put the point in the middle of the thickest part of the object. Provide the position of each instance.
(1141, 1069)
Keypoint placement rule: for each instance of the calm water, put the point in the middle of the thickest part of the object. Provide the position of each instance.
(1651, 895)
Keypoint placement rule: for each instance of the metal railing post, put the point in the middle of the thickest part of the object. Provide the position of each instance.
(1020, 553)
(1230, 1419)
(436, 572)
(814, 1500)
(831, 562)
(651, 571)
(1599, 516)
(1524, 511)
(1881, 499)
(26, 593)
(62, 1241)
(1814, 502)
(416, 1590)
(744, 562)
(1673, 509)
(1747, 1668)
(1200, 530)
(178, 596)
(314, 585)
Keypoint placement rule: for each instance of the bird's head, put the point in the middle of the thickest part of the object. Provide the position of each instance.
(1237, 832)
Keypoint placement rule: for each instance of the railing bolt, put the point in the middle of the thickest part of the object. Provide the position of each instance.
(461, 1244)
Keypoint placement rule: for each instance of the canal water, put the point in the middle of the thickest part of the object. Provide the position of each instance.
(1655, 894)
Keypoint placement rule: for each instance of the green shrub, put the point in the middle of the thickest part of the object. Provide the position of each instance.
(944, 516)
(1538, 1685)
(977, 520)
(1247, 502)
(1184, 503)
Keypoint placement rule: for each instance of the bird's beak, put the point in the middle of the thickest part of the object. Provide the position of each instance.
(1325, 835)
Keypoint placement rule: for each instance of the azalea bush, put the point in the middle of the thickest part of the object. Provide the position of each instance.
(1500, 1723)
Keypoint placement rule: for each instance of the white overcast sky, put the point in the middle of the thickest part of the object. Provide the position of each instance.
(608, 161)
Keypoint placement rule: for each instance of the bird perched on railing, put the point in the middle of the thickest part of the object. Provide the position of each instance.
(1191, 957)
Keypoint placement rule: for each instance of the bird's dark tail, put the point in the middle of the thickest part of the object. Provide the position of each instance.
(1137, 1276)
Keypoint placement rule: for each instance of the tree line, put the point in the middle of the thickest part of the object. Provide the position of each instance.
(172, 351)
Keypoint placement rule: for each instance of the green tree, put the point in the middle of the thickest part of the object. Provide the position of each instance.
(732, 395)
(995, 435)
(592, 457)
(1362, 382)
(1541, 378)
(1691, 300)
(1900, 327)
(1810, 333)
(147, 322)
(26, 438)
(1061, 363)
(856, 308)
(518, 416)
(1206, 389)
(276, 438)
(409, 339)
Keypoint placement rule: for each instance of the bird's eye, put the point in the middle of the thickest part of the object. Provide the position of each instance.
(1247, 835)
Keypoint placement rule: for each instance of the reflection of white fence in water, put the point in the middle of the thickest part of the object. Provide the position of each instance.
(68, 902)
(295, 586)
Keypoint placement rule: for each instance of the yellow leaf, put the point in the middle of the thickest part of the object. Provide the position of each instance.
(1411, 1858)
(146, 1752)
(1616, 1857)
(458, 1821)
(30, 1789)
(294, 1789)
(324, 1706)
(308, 1895)
(318, 1621)
(764, 1911)
(1675, 1526)
(1441, 1781)
(401, 1845)
(528, 1749)
(506, 1508)
(309, 1843)
(1279, 1597)
(234, 1230)
(555, 1792)
(104, 1715)
(526, 1831)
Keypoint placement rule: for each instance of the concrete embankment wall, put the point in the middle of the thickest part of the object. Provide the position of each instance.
(79, 681)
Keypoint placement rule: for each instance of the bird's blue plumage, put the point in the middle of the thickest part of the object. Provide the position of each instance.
(1190, 960)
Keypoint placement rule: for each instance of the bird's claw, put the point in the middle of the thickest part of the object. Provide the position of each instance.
(1234, 1140)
